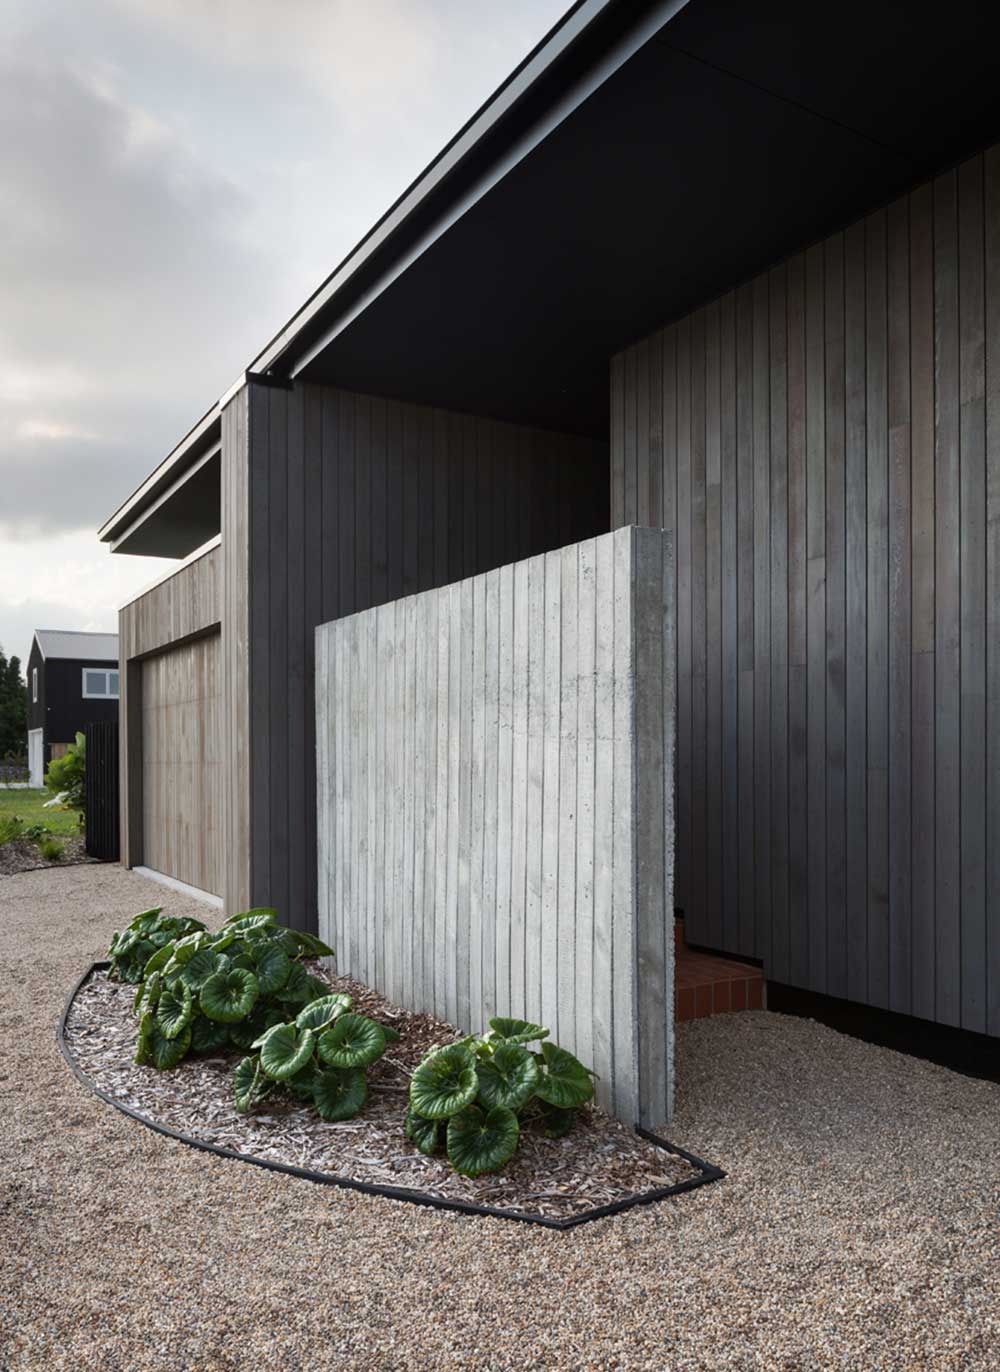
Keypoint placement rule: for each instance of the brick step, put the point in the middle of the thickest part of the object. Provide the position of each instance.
(709, 985)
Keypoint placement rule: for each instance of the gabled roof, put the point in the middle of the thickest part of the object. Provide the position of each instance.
(77, 644)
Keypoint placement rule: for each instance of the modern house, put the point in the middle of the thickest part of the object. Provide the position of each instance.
(728, 270)
(72, 681)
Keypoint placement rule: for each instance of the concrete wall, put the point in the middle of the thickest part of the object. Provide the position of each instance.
(495, 773)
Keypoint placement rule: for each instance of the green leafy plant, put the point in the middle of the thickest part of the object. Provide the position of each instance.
(149, 933)
(245, 988)
(11, 828)
(51, 849)
(66, 779)
(481, 1092)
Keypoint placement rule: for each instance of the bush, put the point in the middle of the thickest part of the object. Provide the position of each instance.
(487, 1087)
(245, 988)
(11, 828)
(66, 778)
(51, 849)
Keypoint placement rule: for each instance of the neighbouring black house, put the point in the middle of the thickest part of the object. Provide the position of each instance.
(72, 681)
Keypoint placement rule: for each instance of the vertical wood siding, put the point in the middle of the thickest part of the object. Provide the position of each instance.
(183, 607)
(236, 723)
(353, 501)
(824, 444)
(182, 747)
(461, 883)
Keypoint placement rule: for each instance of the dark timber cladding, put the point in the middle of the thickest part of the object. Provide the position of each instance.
(825, 443)
(354, 501)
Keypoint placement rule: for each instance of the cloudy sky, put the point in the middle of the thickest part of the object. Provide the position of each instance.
(176, 176)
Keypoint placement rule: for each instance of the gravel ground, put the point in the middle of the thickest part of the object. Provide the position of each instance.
(858, 1227)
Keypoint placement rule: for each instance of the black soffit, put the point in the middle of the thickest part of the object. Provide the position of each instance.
(740, 134)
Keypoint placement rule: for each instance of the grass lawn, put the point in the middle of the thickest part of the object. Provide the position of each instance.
(27, 805)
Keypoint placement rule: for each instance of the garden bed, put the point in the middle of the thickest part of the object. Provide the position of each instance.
(24, 855)
(601, 1164)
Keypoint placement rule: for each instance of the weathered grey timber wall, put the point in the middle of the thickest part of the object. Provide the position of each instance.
(241, 750)
(824, 444)
(334, 502)
(495, 821)
(179, 609)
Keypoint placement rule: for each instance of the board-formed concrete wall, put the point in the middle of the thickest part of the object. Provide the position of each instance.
(495, 783)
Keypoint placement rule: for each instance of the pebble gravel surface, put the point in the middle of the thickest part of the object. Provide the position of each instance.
(858, 1227)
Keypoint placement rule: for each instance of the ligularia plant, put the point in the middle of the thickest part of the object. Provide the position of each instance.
(245, 987)
(482, 1091)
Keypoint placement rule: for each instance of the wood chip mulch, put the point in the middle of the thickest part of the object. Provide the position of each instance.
(598, 1163)
(24, 855)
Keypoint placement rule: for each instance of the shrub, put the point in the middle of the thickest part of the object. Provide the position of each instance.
(51, 849)
(246, 988)
(483, 1090)
(66, 778)
(11, 828)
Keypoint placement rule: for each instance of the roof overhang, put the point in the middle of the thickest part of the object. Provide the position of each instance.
(644, 158)
(178, 507)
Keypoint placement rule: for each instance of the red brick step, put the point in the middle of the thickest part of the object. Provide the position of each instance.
(708, 985)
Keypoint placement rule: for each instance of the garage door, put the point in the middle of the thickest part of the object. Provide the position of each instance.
(182, 764)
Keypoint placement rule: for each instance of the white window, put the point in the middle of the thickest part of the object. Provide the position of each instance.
(99, 685)
(34, 685)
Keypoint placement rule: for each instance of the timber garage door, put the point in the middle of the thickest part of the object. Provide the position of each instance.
(182, 763)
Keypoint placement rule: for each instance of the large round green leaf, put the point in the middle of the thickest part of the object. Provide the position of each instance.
(158, 960)
(426, 1134)
(319, 1013)
(309, 946)
(272, 966)
(352, 1041)
(250, 1085)
(285, 1050)
(147, 995)
(482, 1140)
(247, 1033)
(339, 1094)
(517, 1030)
(145, 1036)
(229, 996)
(174, 1009)
(301, 1085)
(563, 1080)
(297, 989)
(252, 919)
(508, 1077)
(207, 1036)
(197, 970)
(444, 1082)
(165, 1053)
(147, 920)
(185, 948)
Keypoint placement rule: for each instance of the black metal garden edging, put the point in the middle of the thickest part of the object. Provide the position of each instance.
(707, 1172)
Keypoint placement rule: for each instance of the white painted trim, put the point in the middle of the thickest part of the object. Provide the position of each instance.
(36, 776)
(107, 693)
(181, 887)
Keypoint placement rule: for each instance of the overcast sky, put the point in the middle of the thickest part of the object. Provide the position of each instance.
(176, 176)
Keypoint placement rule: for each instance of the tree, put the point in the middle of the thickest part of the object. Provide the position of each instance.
(13, 707)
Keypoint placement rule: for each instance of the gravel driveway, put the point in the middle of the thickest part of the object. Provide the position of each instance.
(858, 1227)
